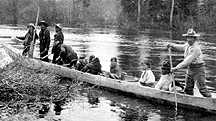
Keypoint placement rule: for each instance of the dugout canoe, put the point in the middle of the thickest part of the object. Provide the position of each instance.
(186, 101)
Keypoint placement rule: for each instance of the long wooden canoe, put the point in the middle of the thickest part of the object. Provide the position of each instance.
(191, 102)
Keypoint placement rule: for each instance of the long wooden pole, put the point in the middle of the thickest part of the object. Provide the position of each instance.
(171, 13)
(36, 23)
(170, 57)
(138, 11)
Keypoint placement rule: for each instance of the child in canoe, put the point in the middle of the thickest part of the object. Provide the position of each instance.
(115, 70)
(166, 80)
(147, 77)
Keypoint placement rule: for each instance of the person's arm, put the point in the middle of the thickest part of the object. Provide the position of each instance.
(22, 37)
(178, 47)
(188, 60)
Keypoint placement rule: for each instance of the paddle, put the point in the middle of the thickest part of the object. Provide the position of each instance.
(173, 79)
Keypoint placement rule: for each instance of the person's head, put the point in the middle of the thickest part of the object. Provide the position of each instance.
(31, 27)
(43, 25)
(96, 59)
(146, 65)
(58, 27)
(91, 57)
(165, 67)
(113, 61)
(191, 36)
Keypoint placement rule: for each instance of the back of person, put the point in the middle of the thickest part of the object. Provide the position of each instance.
(94, 67)
(68, 55)
(82, 62)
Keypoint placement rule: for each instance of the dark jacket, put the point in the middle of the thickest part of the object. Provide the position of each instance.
(93, 67)
(67, 54)
(58, 41)
(44, 37)
(81, 64)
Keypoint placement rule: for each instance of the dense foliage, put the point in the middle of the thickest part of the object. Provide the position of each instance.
(122, 13)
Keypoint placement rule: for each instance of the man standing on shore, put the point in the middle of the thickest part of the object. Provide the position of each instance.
(44, 37)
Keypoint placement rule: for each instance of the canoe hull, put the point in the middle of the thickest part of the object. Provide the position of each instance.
(191, 102)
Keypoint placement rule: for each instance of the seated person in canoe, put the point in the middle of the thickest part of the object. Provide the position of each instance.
(28, 39)
(147, 77)
(166, 79)
(115, 70)
(67, 57)
(81, 63)
(93, 67)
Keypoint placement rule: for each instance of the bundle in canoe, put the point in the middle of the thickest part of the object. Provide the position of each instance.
(191, 102)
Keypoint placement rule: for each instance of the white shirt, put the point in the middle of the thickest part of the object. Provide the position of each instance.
(147, 76)
(164, 82)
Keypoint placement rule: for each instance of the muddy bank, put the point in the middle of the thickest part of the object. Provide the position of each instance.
(26, 91)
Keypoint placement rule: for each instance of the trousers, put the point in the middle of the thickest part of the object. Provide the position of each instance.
(196, 73)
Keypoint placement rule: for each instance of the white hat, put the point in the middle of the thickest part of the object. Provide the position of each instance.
(58, 25)
(191, 33)
(30, 25)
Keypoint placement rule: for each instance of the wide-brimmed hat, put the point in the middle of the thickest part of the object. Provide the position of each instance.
(43, 23)
(30, 25)
(58, 25)
(191, 33)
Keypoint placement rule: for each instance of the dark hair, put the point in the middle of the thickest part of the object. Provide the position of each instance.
(113, 59)
(165, 68)
(147, 63)
(91, 57)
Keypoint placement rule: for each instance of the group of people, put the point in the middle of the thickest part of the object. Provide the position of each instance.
(62, 54)
(193, 61)
(66, 56)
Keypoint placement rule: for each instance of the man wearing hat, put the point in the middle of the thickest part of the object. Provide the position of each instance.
(44, 37)
(193, 60)
(28, 38)
(58, 41)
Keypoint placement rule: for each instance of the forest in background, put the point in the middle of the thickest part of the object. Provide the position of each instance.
(199, 14)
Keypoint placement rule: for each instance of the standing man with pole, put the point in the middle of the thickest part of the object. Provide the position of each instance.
(44, 38)
(193, 60)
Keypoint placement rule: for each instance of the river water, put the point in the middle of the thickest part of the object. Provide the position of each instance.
(131, 47)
